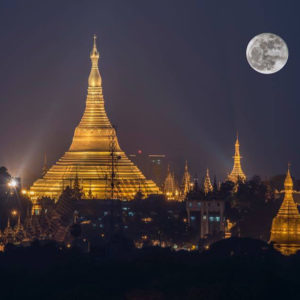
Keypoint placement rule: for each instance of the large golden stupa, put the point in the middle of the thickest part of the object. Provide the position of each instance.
(94, 159)
(285, 231)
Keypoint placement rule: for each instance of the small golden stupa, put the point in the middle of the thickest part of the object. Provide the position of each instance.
(94, 158)
(186, 180)
(207, 183)
(285, 231)
(170, 186)
(237, 173)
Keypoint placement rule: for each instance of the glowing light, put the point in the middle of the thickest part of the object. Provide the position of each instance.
(147, 220)
(24, 192)
(12, 183)
(14, 212)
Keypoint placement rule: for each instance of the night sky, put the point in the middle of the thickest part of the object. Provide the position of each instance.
(175, 77)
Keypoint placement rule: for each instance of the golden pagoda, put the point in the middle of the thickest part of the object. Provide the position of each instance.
(95, 156)
(285, 231)
(207, 183)
(186, 181)
(237, 173)
(170, 187)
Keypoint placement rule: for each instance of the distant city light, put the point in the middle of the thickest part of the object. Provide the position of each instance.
(14, 212)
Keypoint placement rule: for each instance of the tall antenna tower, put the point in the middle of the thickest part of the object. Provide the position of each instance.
(114, 163)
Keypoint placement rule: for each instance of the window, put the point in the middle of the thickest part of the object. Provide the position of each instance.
(218, 219)
(193, 218)
(204, 217)
(211, 219)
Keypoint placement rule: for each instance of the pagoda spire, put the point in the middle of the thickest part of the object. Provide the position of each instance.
(95, 78)
(207, 183)
(285, 231)
(86, 138)
(170, 189)
(237, 172)
(186, 180)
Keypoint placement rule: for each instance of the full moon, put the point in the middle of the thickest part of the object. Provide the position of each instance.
(267, 53)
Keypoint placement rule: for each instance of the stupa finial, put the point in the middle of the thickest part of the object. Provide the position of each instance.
(288, 182)
(95, 78)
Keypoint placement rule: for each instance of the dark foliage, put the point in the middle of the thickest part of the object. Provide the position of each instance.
(252, 208)
(231, 269)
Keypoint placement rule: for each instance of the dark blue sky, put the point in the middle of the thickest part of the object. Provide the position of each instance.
(175, 79)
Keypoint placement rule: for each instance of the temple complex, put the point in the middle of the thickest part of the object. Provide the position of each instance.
(237, 173)
(285, 231)
(95, 157)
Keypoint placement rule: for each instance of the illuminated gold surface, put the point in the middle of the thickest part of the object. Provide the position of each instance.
(89, 155)
(207, 183)
(237, 172)
(186, 181)
(285, 231)
(170, 187)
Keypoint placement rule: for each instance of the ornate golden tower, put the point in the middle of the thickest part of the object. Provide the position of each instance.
(207, 183)
(186, 180)
(95, 156)
(237, 172)
(285, 231)
(170, 188)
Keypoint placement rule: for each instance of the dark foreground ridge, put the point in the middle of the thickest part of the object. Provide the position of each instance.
(230, 269)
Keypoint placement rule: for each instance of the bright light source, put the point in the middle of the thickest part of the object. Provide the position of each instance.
(14, 212)
(24, 192)
(12, 183)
